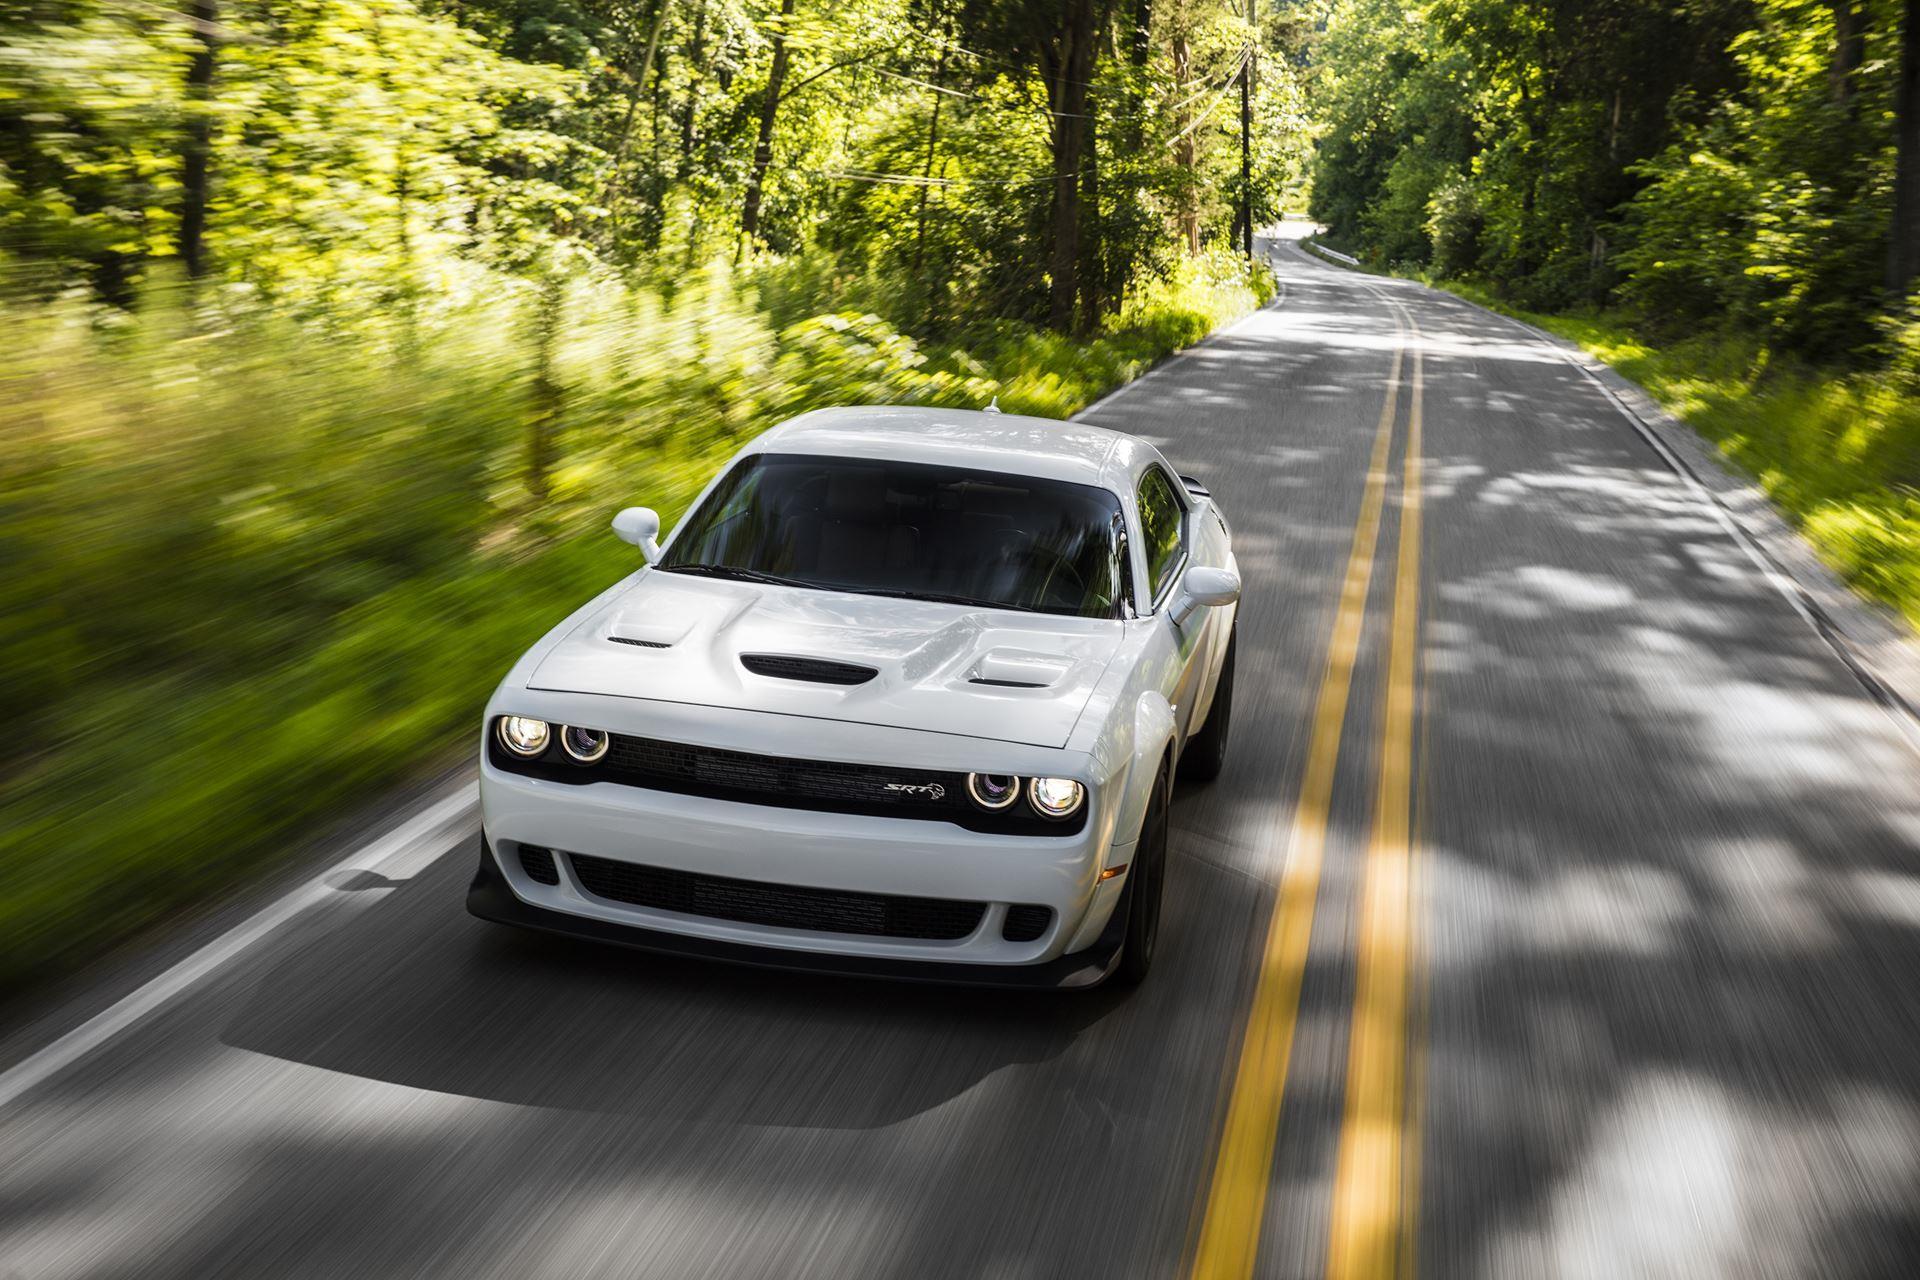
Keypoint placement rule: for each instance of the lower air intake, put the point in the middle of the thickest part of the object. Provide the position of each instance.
(777, 905)
(538, 864)
(1025, 922)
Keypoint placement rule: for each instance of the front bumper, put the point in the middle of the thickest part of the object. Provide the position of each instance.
(491, 898)
(778, 846)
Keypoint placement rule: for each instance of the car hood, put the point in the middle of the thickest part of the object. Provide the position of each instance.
(985, 673)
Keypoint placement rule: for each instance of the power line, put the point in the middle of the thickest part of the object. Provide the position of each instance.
(932, 39)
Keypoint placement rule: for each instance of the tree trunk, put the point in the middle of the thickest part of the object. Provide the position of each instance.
(543, 423)
(1186, 152)
(1903, 257)
(196, 147)
(1849, 50)
(636, 87)
(926, 168)
(929, 287)
(1067, 95)
(763, 143)
(696, 49)
(1123, 214)
(1092, 268)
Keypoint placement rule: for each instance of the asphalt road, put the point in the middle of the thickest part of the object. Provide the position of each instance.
(1633, 924)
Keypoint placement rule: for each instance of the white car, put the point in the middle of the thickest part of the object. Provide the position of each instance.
(903, 694)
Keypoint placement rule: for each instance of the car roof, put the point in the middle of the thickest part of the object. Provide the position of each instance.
(990, 441)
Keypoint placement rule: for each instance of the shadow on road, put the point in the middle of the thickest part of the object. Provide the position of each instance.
(545, 1021)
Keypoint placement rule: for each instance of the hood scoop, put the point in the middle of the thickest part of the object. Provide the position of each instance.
(645, 633)
(814, 670)
(1018, 669)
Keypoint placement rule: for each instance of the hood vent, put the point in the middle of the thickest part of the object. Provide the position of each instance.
(1018, 669)
(816, 670)
(644, 644)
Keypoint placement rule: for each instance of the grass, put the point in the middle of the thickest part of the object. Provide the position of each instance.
(1838, 451)
(260, 570)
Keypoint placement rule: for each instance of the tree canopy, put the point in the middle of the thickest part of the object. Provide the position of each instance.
(950, 161)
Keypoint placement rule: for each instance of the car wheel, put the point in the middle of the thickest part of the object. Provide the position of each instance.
(1206, 752)
(1144, 887)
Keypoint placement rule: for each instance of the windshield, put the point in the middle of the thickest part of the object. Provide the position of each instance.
(909, 529)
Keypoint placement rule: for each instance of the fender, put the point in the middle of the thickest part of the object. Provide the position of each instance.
(1152, 731)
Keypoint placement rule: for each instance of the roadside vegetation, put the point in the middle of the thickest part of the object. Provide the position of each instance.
(1720, 198)
(337, 330)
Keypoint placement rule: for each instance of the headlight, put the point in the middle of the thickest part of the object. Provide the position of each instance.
(1056, 797)
(993, 790)
(524, 737)
(584, 745)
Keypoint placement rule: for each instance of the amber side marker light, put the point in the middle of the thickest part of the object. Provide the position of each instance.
(1111, 872)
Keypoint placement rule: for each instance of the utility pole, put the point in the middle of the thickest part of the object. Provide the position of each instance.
(1246, 131)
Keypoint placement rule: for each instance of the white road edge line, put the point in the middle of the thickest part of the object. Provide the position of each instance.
(36, 1068)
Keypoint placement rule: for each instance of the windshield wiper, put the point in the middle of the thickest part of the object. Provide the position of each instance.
(737, 574)
(938, 598)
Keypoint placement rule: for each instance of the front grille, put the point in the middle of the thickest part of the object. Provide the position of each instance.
(825, 786)
(1025, 922)
(538, 864)
(777, 905)
(817, 670)
(781, 780)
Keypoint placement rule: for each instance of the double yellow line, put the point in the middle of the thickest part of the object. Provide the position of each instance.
(1373, 1174)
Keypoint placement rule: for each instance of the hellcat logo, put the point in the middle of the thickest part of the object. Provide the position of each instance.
(931, 790)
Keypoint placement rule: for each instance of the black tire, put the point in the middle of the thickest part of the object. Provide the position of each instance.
(1144, 888)
(1206, 752)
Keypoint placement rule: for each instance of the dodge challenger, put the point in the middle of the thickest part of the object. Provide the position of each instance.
(904, 694)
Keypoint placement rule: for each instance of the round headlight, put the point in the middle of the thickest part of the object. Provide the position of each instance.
(524, 737)
(584, 745)
(993, 790)
(1056, 797)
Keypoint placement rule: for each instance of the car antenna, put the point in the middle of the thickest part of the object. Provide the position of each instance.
(993, 406)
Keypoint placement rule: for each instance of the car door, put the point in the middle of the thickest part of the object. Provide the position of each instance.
(1165, 513)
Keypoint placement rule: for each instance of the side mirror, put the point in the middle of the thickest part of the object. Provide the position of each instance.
(1203, 587)
(641, 527)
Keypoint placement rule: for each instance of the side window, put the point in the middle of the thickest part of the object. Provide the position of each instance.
(1160, 518)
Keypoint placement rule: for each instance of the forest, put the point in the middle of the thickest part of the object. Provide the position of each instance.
(338, 328)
